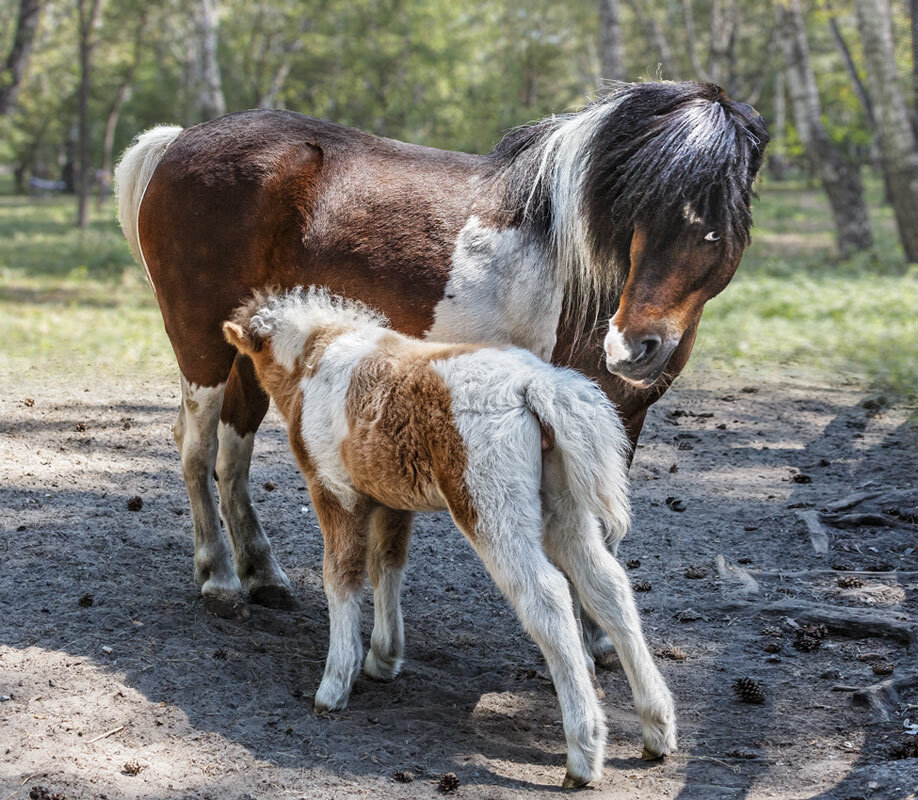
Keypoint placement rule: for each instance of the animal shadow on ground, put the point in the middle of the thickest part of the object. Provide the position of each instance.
(92, 589)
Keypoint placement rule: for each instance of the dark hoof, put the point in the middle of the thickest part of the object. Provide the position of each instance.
(275, 597)
(226, 607)
(571, 782)
(646, 755)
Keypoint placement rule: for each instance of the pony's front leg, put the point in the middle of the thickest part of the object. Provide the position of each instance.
(345, 534)
(390, 532)
(195, 434)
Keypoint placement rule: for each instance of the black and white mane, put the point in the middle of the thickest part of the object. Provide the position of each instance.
(659, 154)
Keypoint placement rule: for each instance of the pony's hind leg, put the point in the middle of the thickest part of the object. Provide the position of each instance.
(574, 542)
(390, 532)
(343, 569)
(195, 434)
(244, 407)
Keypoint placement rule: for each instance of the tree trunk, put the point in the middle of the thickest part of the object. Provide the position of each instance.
(700, 73)
(859, 89)
(210, 100)
(840, 179)
(88, 12)
(653, 30)
(913, 9)
(611, 48)
(29, 12)
(777, 160)
(895, 135)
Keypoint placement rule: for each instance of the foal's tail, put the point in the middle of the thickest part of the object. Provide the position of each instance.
(590, 438)
(132, 175)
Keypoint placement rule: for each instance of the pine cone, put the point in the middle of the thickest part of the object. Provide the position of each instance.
(448, 783)
(849, 582)
(641, 586)
(748, 691)
(695, 572)
(809, 638)
(403, 776)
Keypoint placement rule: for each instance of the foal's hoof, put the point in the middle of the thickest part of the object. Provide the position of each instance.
(573, 782)
(649, 755)
(226, 606)
(274, 597)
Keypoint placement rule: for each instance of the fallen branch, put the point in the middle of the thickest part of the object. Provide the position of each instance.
(744, 583)
(879, 697)
(853, 622)
(818, 536)
(835, 573)
(852, 500)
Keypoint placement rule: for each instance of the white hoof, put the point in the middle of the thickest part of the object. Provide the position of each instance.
(381, 668)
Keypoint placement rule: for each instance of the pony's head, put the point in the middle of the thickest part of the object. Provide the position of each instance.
(646, 197)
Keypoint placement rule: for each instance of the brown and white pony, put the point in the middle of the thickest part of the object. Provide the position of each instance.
(528, 458)
(631, 214)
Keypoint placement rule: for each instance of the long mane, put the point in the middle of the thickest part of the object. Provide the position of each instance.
(639, 154)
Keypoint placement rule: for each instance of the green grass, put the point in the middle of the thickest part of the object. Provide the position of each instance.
(73, 304)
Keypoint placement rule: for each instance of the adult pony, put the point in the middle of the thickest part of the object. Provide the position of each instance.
(631, 213)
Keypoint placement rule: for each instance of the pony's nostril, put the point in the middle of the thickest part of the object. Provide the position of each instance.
(647, 349)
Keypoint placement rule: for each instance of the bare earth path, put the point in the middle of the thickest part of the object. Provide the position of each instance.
(107, 659)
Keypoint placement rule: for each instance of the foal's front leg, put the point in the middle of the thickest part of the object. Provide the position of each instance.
(345, 534)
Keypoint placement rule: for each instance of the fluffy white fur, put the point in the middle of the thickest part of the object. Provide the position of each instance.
(132, 175)
(537, 511)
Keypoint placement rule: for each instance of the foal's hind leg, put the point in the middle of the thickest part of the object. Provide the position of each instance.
(195, 433)
(244, 407)
(390, 532)
(575, 544)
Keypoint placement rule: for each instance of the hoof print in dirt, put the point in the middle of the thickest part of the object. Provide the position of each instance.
(135, 503)
(695, 573)
(907, 748)
(448, 783)
(86, 600)
(675, 504)
(849, 582)
(641, 586)
(403, 776)
(809, 638)
(133, 768)
(41, 793)
(748, 690)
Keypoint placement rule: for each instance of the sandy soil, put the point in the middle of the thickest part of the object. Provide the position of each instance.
(109, 666)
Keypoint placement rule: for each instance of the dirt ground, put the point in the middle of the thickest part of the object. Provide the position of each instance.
(109, 666)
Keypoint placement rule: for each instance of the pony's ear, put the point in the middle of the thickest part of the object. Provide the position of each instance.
(239, 338)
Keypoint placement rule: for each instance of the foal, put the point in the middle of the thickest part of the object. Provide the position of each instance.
(527, 458)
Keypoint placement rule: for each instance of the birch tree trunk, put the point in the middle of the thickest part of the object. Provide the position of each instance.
(206, 74)
(895, 135)
(611, 48)
(88, 14)
(777, 160)
(840, 179)
(13, 70)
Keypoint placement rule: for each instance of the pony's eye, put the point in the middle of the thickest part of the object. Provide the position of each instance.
(711, 236)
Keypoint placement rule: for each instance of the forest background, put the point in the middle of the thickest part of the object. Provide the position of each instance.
(828, 289)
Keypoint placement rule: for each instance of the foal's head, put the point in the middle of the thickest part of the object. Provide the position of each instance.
(285, 333)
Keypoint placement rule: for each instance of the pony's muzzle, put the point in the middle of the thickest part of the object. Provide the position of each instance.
(639, 357)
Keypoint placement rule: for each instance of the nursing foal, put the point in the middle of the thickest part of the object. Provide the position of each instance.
(528, 459)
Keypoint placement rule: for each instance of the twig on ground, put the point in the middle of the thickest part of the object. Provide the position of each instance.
(112, 732)
(815, 573)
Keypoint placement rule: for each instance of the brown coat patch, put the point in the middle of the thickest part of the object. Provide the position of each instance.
(404, 449)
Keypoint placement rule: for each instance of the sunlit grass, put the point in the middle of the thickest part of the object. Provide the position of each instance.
(75, 305)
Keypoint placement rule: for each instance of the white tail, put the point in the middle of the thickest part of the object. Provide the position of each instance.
(591, 441)
(132, 175)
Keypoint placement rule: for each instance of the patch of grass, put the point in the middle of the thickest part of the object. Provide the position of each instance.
(75, 305)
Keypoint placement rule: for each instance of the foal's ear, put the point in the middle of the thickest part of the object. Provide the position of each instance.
(239, 338)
